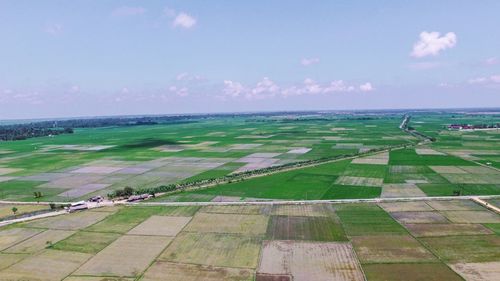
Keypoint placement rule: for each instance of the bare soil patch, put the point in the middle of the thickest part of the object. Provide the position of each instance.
(447, 170)
(359, 181)
(96, 170)
(167, 271)
(390, 248)
(47, 266)
(310, 261)
(228, 223)
(214, 249)
(234, 209)
(5, 171)
(401, 190)
(39, 241)
(455, 205)
(419, 217)
(13, 236)
(484, 271)
(427, 151)
(309, 210)
(161, 225)
(129, 255)
(416, 206)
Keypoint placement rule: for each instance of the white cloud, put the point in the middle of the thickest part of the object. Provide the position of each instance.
(266, 88)
(184, 20)
(367, 87)
(127, 11)
(485, 80)
(184, 76)
(431, 43)
(53, 29)
(309, 61)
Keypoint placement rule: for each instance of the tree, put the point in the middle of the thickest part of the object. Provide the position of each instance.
(52, 206)
(14, 210)
(127, 191)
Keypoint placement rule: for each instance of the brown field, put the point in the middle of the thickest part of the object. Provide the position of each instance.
(167, 271)
(72, 221)
(96, 170)
(309, 210)
(305, 228)
(447, 170)
(411, 272)
(91, 278)
(213, 249)
(5, 171)
(161, 225)
(47, 266)
(39, 241)
(427, 151)
(419, 217)
(472, 216)
(417, 206)
(467, 178)
(484, 271)
(395, 190)
(403, 169)
(272, 277)
(235, 209)
(359, 181)
(7, 260)
(455, 205)
(128, 256)
(13, 236)
(390, 249)
(436, 229)
(228, 223)
(310, 261)
(479, 170)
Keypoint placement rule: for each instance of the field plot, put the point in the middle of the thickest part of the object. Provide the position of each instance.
(417, 206)
(237, 209)
(446, 229)
(455, 205)
(359, 181)
(69, 222)
(6, 210)
(390, 249)
(411, 272)
(47, 266)
(39, 241)
(376, 159)
(367, 219)
(309, 210)
(478, 271)
(130, 255)
(9, 237)
(228, 223)
(161, 226)
(213, 249)
(91, 278)
(86, 242)
(472, 216)
(310, 261)
(419, 217)
(305, 228)
(473, 248)
(395, 190)
(166, 271)
(7, 260)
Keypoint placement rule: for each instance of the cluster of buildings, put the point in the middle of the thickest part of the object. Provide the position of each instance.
(473, 127)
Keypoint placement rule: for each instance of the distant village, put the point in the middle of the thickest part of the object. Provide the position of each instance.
(469, 127)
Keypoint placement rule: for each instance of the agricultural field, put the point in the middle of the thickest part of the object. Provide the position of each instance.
(98, 161)
(267, 241)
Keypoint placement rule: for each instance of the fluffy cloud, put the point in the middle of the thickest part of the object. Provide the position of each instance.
(310, 61)
(485, 80)
(184, 76)
(367, 87)
(126, 11)
(266, 88)
(184, 20)
(431, 43)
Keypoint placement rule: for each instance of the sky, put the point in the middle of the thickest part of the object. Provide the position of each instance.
(95, 58)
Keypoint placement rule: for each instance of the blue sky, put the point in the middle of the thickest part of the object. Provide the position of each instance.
(84, 58)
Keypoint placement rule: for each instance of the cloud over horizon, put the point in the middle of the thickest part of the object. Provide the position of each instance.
(431, 43)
